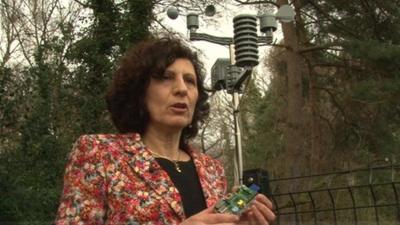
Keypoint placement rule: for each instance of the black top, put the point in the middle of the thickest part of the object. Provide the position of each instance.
(188, 184)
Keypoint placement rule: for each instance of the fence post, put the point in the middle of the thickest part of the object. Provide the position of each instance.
(313, 207)
(396, 195)
(333, 205)
(295, 209)
(371, 188)
(276, 208)
(354, 204)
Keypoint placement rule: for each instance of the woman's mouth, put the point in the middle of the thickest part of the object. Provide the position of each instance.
(179, 107)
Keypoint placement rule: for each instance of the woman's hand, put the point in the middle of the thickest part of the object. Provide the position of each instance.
(260, 212)
(208, 216)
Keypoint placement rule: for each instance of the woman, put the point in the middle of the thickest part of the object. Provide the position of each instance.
(149, 174)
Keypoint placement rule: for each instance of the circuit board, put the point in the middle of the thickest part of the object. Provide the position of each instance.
(238, 201)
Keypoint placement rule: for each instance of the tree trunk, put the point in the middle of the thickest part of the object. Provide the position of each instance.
(315, 125)
(294, 132)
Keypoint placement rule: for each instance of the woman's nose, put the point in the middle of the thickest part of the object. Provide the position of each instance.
(180, 86)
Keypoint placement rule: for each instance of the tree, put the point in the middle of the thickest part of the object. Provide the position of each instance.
(339, 60)
(54, 92)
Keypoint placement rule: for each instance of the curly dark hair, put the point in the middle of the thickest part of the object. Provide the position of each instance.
(126, 94)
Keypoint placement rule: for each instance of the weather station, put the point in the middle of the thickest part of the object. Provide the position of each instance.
(231, 73)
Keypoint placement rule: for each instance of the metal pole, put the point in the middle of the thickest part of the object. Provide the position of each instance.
(238, 137)
(238, 159)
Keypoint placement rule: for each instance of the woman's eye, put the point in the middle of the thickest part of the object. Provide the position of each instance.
(167, 76)
(191, 80)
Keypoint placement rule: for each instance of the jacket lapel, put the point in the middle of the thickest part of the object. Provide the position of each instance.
(206, 175)
(147, 168)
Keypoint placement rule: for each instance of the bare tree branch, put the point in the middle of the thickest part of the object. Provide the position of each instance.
(334, 21)
(321, 47)
(82, 4)
(46, 20)
(354, 67)
(164, 27)
(247, 2)
(13, 15)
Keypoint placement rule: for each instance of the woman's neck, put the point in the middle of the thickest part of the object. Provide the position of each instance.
(165, 143)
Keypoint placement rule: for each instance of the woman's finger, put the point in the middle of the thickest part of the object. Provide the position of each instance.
(258, 216)
(217, 218)
(252, 219)
(265, 211)
(248, 217)
(227, 223)
(263, 199)
(209, 216)
(234, 188)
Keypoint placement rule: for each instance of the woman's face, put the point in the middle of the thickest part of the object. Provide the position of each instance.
(171, 99)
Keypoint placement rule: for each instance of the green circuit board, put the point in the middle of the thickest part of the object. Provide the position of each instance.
(238, 201)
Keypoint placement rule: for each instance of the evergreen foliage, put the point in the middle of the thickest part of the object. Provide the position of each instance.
(352, 53)
(351, 92)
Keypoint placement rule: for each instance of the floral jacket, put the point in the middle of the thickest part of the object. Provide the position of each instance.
(114, 179)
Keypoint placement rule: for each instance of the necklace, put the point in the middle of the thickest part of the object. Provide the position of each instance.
(175, 162)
